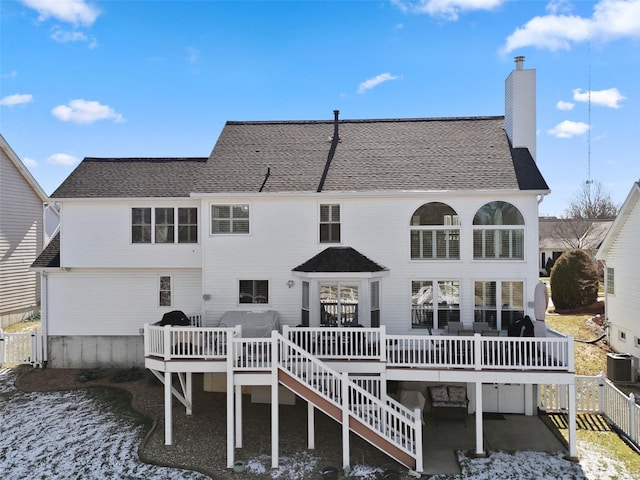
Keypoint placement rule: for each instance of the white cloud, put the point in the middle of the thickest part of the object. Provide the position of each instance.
(611, 19)
(568, 129)
(85, 111)
(62, 159)
(17, 99)
(63, 36)
(607, 98)
(193, 55)
(11, 74)
(375, 81)
(561, 105)
(449, 9)
(30, 162)
(77, 12)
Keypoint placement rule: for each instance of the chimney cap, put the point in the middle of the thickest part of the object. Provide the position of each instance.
(519, 62)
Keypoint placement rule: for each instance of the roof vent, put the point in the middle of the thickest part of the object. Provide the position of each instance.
(519, 62)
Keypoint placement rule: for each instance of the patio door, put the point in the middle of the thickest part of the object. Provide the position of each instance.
(338, 304)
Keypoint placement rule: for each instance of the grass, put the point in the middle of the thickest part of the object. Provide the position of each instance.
(591, 359)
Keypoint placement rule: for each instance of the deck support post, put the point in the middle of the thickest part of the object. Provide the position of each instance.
(275, 406)
(168, 409)
(345, 420)
(238, 416)
(231, 347)
(571, 415)
(311, 434)
(189, 393)
(479, 431)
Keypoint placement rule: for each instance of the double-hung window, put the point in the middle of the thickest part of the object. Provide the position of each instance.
(159, 225)
(435, 232)
(229, 219)
(330, 223)
(164, 291)
(498, 232)
(611, 286)
(253, 291)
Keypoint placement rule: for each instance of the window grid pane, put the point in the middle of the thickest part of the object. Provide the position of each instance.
(165, 291)
(141, 225)
(164, 225)
(330, 223)
(435, 244)
(611, 287)
(229, 219)
(188, 225)
(253, 291)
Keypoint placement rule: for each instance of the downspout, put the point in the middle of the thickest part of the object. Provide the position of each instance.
(332, 150)
(44, 315)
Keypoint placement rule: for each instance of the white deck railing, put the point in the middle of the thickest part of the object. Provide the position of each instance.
(169, 342)
(397, 424)
(475, 352)
(596, 394)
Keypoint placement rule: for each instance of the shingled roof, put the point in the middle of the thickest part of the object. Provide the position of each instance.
(339, 259)
(50, 256)
(429, 154)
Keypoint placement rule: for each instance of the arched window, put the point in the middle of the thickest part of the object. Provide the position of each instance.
(498, 232)
(435, 232)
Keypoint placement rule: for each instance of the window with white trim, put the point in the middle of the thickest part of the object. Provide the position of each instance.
(158, 225)
(493, 243)
(435, 232)
(330, 223)
(375, 303)
(164, 291)
(622, 336)
(486, 308)
(227, 219)
(434, 303)
(253, 291)
(611, 286)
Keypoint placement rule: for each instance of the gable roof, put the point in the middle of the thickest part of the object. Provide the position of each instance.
(429, 154)
(50, 256)
(630, 204)
(15, 160)
(560, 234)
(339, 259)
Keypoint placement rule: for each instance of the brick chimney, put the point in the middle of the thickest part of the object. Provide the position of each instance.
(520, 107)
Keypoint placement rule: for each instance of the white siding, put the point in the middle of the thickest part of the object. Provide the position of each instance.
(97, 234)
(20, 238)
(623, 306)
(115, 301)
(284, 234)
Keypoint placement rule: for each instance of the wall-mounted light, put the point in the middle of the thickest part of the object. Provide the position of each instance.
(290, 283)
(206, 297)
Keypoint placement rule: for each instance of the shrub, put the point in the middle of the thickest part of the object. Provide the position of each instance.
(574, 280)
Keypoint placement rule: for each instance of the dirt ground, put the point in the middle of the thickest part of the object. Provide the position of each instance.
(200, 440)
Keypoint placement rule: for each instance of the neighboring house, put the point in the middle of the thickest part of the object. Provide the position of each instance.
(416, 226)
(557, 235)
(621, 257)
(21, 238)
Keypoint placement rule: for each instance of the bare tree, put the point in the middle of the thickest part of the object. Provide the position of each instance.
(592, 202)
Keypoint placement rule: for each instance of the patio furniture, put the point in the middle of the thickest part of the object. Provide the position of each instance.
(480, 327)
(453, 397)
(454, 327)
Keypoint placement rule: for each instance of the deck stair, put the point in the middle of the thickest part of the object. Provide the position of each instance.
(386, 424)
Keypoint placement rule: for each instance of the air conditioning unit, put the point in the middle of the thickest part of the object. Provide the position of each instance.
(621, 367)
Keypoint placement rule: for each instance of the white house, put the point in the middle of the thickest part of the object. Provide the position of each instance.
(619, 253)
(21, 237)
(400, 232)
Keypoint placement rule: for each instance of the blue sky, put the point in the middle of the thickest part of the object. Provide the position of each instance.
(118, 78)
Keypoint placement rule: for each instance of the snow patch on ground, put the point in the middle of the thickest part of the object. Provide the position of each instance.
(72, 435)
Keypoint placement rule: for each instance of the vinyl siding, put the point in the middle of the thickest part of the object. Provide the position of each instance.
(116, 301)
(284, 234)
(20, 238)
(97, 234)
(623, 306)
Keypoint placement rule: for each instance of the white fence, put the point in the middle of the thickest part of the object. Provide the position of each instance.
(597, 395)
(21, 348)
